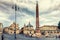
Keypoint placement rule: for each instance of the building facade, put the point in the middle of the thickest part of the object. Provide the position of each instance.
(50, 30)
(13, 28)
(28, 29)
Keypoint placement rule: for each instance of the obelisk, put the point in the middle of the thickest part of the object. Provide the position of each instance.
(37, 17)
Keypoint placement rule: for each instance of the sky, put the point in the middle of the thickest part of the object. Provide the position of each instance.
(49, 12)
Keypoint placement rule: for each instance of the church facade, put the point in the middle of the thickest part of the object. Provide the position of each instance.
(13, 28)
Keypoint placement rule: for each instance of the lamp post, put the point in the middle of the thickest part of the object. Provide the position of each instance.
(16, 9)
(15, 20)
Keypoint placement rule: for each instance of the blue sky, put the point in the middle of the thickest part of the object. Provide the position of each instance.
(49, 12)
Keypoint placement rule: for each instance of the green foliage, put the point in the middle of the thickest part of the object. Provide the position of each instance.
(59, 25)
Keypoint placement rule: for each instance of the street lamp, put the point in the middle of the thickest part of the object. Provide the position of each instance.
(16, 9)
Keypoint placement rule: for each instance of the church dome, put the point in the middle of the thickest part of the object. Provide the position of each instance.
(29, 25)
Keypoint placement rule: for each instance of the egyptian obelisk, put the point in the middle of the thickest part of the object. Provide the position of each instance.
(37, 17)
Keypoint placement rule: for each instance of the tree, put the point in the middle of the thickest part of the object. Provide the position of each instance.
(59, 25)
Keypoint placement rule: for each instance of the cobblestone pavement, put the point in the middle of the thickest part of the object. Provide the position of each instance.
(23, 37)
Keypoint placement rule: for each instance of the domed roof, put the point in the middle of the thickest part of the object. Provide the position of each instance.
(29, 25)
(14, 23)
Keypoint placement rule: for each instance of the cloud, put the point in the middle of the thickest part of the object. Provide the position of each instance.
(21, 20)
(49, 11)
(28, 11)
(5, 13)
(51, 18)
